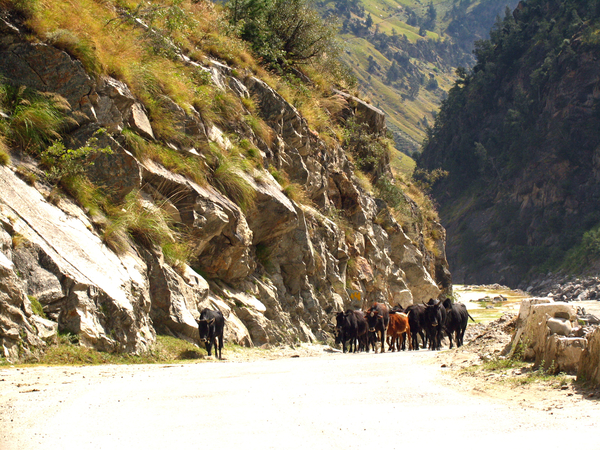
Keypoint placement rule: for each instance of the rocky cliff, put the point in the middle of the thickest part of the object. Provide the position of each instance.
(277, 268)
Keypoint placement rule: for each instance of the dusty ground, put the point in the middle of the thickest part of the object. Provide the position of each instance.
(308, 397)
(518, 385)
(462, 368)
(260, 398)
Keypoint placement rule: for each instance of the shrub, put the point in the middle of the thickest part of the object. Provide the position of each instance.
(285, 32)
(390, 192)
(25, 7)
(4, 157)
(145, 222)
(370, 151)
(62, 162)
(35, 119)
(36, 306)
(190, 166)
(79, 48)
(228, 179)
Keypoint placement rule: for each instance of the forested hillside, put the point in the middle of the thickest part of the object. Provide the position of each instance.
(518, 137)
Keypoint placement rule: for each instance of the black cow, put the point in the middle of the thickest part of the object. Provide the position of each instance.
(416, 320)
(435, 321)
(210, 329)
(351, 326)
(456, 321)
(378, 318)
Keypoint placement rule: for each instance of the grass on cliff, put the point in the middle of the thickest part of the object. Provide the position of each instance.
(67, 351)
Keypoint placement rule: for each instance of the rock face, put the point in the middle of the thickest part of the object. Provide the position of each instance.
(548, 333)
(589, 368)
(278, 270)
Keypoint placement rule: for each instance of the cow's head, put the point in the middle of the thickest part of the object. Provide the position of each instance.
(432, 315)
(373, 317)
(204, 328)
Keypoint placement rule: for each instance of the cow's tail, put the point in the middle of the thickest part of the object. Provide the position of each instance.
(470, 316)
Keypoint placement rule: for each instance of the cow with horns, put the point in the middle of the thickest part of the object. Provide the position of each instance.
(378, 319)
(457, 318)
(435, 323)
(210, 330)
(351, 326)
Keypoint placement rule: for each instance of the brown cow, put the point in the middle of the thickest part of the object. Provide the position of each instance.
(398, 328)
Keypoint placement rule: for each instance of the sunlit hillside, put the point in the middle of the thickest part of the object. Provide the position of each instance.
(405, 52)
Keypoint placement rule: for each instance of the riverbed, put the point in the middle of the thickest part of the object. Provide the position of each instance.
(487, 303)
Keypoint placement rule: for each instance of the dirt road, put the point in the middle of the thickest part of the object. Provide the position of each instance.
(366, 401)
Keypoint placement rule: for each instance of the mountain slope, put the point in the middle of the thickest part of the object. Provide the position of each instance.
(404, 53)
(150, 168)
(518, 137)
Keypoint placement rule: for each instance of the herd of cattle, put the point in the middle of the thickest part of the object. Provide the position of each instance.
(361, 330)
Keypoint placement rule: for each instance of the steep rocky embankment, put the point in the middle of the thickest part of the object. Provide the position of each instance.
(277, 269)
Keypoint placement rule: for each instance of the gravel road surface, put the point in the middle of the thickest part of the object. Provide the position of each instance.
(358, 401)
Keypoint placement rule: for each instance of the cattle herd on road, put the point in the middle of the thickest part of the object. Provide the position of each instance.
(362, 330)
(422, 324)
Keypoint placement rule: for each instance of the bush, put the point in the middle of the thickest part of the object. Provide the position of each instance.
(285, 32)
(81, 49)
(145, 223)
(35, 119)
(63, 163)
(228, 179)
(370, 151)
(4, 157)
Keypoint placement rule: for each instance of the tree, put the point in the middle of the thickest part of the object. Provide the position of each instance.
(285, 32)
(430, 17)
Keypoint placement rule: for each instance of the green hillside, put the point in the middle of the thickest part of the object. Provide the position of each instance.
(404, 54)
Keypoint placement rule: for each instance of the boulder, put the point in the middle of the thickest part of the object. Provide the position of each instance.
(281, 116)
(138, 121)
(221, 236)
(273, 214)
(365, 113)
(589, 365)
(235, 331)
(105, 297)
(112, 103)
(46, 69)
(542, 328)
(18, 338)
(175, 299)
(563, 354)
(118, 172)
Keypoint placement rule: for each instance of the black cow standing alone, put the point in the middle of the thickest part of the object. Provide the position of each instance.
(210, 329)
